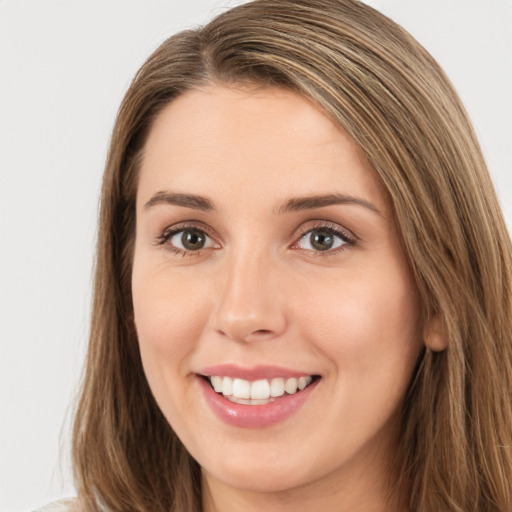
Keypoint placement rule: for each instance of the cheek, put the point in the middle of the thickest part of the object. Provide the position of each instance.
(367, 327)
(367, 322)
(169, 318)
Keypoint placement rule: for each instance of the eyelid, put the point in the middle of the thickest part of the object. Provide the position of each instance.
(188, 224)
(347, 236)
(164, 237)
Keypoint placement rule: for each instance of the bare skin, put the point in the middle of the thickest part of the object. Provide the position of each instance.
(320, 286)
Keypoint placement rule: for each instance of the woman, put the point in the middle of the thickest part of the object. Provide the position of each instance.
(302, 295)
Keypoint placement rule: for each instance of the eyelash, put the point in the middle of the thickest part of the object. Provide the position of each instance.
(347, 238)
(168, 233)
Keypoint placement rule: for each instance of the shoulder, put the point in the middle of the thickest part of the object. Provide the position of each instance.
(67, 505)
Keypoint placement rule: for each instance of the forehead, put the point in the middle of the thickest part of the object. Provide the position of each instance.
(266, 143)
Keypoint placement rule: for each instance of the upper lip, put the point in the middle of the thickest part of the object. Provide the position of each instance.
(252, 373)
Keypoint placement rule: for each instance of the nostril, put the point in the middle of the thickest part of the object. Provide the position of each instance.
(259, 335)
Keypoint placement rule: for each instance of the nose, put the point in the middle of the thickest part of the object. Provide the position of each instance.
(248, 304)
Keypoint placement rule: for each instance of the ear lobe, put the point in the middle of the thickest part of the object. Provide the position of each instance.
(434, 335)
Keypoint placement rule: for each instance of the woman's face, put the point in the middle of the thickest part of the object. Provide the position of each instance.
(267, 259)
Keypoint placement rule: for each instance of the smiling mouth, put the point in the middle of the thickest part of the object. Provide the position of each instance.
(258, 392)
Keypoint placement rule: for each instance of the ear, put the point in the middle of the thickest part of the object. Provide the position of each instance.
(434, 335)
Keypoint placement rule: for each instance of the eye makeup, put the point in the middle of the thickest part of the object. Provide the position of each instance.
(319, 238)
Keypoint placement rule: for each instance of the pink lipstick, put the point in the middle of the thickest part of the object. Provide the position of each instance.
(255, 397)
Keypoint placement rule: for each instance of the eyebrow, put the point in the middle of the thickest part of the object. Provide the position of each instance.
(319, 201)
(186, 200)
(292, 205)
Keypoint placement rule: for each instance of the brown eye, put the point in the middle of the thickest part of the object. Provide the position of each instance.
(190, 240)
(193, 240)
(321, 239)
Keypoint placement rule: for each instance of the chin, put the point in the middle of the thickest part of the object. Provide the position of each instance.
(258, 478)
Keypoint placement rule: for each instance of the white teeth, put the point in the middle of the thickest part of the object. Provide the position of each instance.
(217, 383)
(259, 389)
(277, 387)
(241, 388)
(227, 386)
(290, 386)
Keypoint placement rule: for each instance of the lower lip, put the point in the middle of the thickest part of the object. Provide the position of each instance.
(254, 416)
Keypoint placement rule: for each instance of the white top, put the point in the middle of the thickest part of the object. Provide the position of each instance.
(66, 505)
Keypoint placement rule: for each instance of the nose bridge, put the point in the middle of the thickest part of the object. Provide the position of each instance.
(247, 306)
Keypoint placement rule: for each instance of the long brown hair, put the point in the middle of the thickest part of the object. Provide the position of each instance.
(373, 79)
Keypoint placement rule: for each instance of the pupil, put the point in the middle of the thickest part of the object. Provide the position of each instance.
(192, 240)
(321, 240)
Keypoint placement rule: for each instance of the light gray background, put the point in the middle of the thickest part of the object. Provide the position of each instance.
(64, 66)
